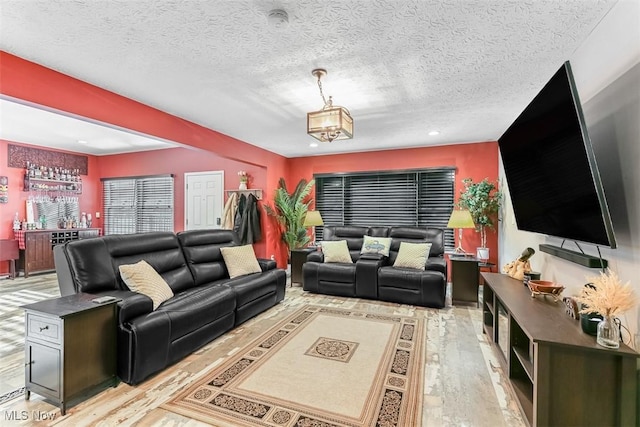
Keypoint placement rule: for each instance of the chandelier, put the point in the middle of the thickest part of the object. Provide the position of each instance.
(332, 122)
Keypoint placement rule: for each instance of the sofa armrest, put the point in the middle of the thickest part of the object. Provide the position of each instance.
(132, 305)
(437, 263)
(316, 256)
(367, 274)
(267, 264)
(375, 257)
(63, 273)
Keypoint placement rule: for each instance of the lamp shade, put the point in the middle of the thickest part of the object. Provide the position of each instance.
(312, 219)
(461, 219)
(330, 124)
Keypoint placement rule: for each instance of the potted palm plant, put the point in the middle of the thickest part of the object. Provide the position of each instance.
(289, 210)
(482, 199)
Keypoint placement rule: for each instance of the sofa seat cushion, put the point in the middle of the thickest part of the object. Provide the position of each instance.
(401, 278)
(252, 287)
(191, 309)
(337, 272)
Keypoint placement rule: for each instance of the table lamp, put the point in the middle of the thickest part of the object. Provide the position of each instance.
(460, 219)
(312, 219)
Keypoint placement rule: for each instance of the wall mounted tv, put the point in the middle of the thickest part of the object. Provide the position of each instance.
(551, 169)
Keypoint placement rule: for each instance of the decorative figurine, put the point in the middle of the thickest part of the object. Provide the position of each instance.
(518, 268)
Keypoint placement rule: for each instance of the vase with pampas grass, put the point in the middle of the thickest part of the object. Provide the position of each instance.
(609, 297)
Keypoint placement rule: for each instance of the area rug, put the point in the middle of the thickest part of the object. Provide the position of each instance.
(319, 367)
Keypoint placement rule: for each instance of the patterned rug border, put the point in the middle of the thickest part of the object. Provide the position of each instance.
(398, 394)
(14, 394)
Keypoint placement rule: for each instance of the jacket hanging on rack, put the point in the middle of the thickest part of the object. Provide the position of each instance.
(237, 221)
(229, 212)
(250, 230)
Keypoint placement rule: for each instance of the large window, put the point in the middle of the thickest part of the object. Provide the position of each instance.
(138, 204)
(422, 198)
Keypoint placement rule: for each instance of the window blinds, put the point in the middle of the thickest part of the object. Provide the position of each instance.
(137, 204)
(422, 198)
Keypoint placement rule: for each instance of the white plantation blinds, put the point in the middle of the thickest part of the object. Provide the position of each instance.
(137, 204)
(414, 198)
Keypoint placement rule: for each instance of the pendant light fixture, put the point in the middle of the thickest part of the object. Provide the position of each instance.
(331, 122)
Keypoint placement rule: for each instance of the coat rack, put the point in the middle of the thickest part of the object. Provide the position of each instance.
(257, 192)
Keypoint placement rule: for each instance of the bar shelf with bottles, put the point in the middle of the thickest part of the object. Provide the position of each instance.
(52, 179)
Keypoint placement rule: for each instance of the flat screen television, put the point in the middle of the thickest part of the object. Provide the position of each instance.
(551, 170)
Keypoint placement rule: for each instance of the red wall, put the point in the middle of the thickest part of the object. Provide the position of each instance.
(476, 161)
(28, 81)
(179, 161)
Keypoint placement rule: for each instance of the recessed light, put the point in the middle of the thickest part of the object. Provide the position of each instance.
(313, 144)
(434, 133)
(82, 141)
(278, 18)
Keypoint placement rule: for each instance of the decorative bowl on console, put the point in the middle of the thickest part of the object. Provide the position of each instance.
(544, 288)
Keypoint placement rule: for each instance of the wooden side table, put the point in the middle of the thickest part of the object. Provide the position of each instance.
(465, 278)
(298, 258)
(70, 348)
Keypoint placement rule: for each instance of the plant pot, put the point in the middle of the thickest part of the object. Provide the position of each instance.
(482, 254)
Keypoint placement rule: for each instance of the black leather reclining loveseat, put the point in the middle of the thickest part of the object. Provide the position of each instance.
(206, 302)
(374, 276)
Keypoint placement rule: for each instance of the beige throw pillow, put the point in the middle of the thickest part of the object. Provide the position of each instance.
(376, 245)
(142, 278)
(412, 255)
(336, 251)
(240, 260)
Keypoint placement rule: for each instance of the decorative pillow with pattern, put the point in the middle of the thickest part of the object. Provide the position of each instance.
(142, 278)
(412, 255)
(336, 251)
(240, 260)
(376, 245)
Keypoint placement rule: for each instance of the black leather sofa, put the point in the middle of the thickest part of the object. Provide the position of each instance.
(206, 302)
(373, 276)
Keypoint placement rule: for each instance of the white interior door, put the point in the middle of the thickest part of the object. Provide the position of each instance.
(204, 200)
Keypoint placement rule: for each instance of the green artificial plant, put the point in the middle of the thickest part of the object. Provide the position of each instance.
(289, 210)
(482, 199)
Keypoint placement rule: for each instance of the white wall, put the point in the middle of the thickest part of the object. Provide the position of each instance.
(606, 68)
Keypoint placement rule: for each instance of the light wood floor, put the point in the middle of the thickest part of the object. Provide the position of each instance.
(464, 382)
(13, 294)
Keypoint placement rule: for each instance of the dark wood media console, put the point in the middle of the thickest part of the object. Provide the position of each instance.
(559, 375)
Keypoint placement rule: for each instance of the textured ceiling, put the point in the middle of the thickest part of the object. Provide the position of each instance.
(465, 68)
